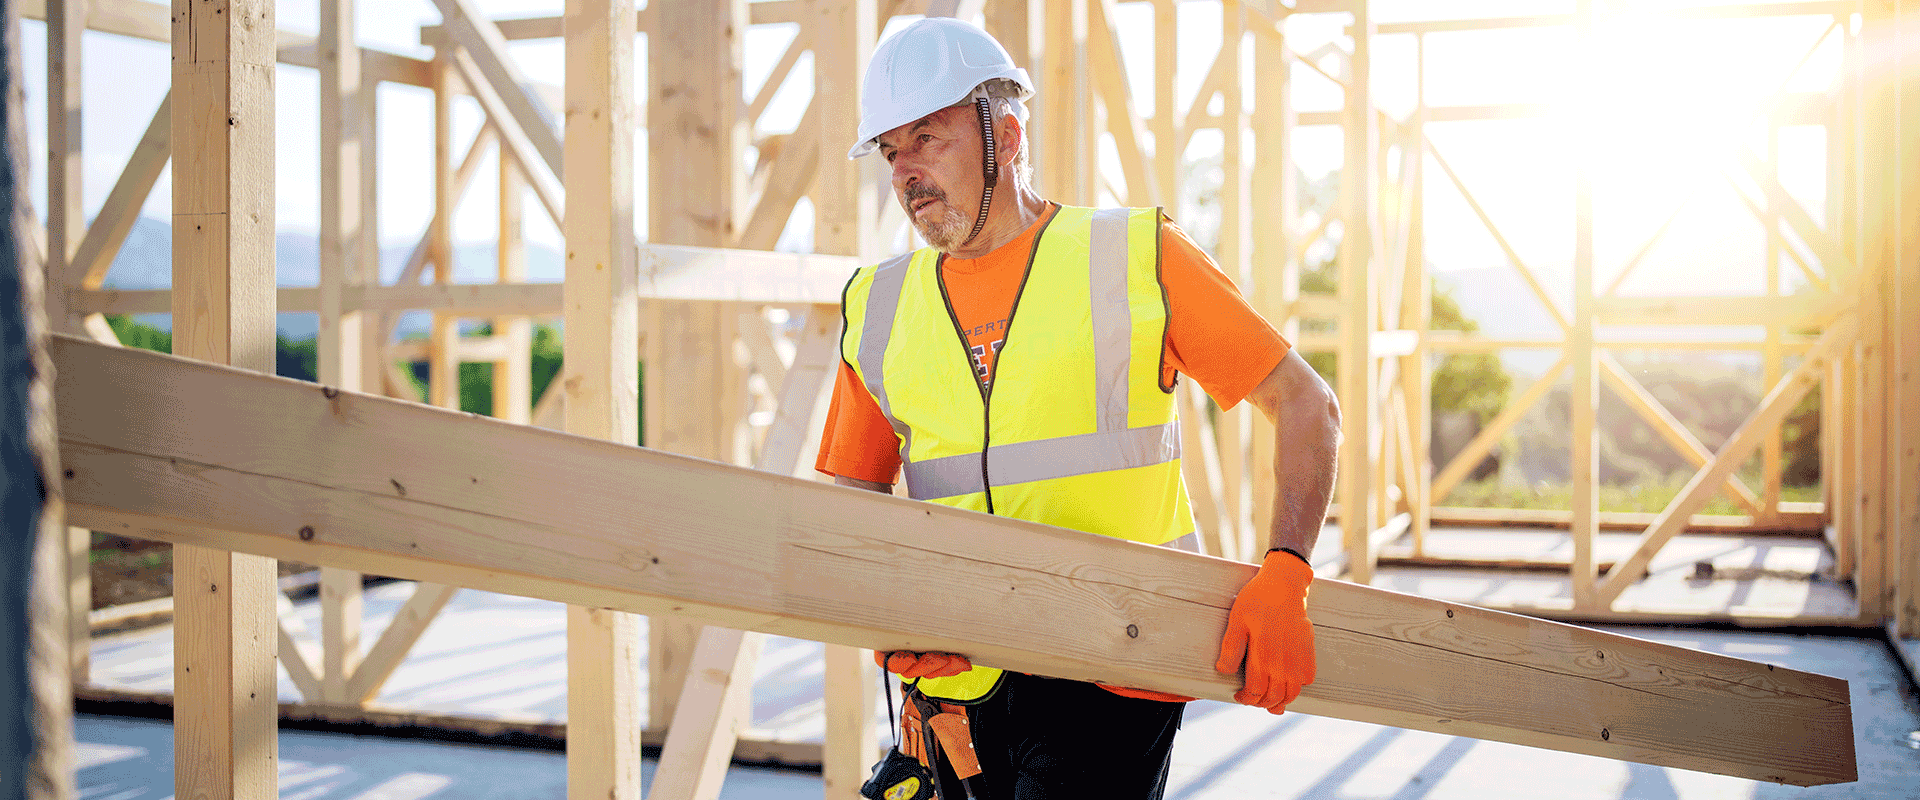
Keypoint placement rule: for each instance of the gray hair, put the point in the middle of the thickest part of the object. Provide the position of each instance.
(1005, 96)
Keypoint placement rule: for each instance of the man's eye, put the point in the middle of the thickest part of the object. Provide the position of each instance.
(925, 137)
(889, 155)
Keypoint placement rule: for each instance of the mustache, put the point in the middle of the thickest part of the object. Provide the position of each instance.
(922, 191)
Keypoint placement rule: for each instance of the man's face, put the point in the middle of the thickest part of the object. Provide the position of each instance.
(936, 173)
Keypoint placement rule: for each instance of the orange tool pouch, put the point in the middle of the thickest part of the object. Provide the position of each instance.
(932, 732)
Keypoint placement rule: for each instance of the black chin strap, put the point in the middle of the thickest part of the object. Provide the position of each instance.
(990, 169)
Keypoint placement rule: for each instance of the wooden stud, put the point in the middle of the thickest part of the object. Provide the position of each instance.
(602, 324)
(696, 186)
(1584, 395)
(223, 311)
(65, 229)
(443, 341)
(342, 328)
(1668, 427)
(1357, 387)
(845, 223)
(1905, 480)
(1274, 190)
(812, 560)
(513, 375)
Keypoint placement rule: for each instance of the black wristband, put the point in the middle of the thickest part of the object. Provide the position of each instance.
(1292, 552)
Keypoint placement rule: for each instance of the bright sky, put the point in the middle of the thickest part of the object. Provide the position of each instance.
(1701, 88)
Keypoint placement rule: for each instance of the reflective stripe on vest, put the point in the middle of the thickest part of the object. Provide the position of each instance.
(1076, 429)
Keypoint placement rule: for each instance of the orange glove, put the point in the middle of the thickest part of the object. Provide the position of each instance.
(1268, 627)
(908, 664)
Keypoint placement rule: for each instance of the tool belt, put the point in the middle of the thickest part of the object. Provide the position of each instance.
(931, 733)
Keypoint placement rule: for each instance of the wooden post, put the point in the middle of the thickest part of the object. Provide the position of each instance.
(223, 311)
(1359, 407)
(513, 375)
(66, 227)
(443, 342)
(696, 186)
(1417, 373)
(1063, 93)
(342, 328)
(1584, 397)
(1276, 273)
(602, 322)
(846, 222)
(1880, 230)
(1906, 320)
(1234, 248)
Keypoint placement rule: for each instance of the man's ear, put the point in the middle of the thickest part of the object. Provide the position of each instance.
(1012, 138)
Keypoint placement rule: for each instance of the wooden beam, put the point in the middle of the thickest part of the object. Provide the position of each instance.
(795, 557)
(515, 139)
(223, 311)
(603, 338)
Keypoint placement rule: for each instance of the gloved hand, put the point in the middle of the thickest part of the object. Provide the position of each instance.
(1268, 627)
(908, 664)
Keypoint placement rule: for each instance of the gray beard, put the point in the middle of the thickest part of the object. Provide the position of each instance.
(945, 232)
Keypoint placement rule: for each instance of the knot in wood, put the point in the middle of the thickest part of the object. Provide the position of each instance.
(306, 533)
(1606, 735)
(1133, 631)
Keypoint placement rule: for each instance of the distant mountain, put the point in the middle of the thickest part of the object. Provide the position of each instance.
(146, 262)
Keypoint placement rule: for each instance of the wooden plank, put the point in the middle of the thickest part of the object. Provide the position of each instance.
(1773, 408)
(794, 557)
(602, 325)
(1794, 310)
(483, 42)
(223, 311)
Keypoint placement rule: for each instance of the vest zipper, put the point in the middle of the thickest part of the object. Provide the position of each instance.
(986, 391)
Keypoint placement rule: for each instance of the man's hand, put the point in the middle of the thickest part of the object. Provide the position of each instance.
(1268, 627)
(908, 664)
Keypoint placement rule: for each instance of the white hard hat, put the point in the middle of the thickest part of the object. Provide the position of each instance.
(931, 64)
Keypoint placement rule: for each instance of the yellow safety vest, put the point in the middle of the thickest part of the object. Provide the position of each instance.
(1076, 429)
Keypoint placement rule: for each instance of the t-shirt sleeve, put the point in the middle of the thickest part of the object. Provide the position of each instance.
(857, 441)
(1213, 335)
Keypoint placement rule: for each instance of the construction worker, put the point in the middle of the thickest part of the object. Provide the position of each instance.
(1023, 364)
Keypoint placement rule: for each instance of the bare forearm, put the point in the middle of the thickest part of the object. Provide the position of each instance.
(1307, 440)
(1306, 429)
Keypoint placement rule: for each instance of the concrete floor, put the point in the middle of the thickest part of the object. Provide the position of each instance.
(508, 650)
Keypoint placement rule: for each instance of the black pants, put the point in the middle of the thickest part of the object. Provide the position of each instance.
(1051, 739)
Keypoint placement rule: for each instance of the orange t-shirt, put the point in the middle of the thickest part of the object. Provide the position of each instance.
(1213, 336)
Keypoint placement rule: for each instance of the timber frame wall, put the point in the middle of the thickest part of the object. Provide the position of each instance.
(740, 340)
